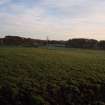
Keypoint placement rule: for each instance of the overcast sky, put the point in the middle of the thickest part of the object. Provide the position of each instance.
(57, 19)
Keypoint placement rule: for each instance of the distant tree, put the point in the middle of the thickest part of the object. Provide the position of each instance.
(13, 40)
(82, 43)
(91, 43)
(101, 44)
(1, 41)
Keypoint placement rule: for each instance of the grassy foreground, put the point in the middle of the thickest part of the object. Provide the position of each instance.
(35, 76)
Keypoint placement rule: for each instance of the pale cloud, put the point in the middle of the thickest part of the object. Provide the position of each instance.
(58, 19)
(4, 1)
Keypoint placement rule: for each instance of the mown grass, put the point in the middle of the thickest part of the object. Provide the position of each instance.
(37, 68)
(79, 65)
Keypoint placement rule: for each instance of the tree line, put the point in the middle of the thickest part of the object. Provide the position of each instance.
(86, 43)
(72, 43)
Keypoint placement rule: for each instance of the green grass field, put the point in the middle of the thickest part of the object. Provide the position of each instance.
(38, 68)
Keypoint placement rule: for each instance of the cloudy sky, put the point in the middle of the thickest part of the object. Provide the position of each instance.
(57, 19)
